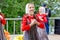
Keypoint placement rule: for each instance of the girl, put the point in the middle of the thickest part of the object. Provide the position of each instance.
(41, 17)
(30, 24)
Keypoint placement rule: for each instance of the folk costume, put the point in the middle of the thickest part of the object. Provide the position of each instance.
(30, 33)
(42, 30)
(2, 22)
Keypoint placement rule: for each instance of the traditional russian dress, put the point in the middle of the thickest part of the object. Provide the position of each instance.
(30, 33)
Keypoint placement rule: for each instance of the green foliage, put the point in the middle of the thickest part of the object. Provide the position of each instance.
(15, 8)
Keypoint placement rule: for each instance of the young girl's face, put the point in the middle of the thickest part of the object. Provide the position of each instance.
(31, 8)
(41, 10)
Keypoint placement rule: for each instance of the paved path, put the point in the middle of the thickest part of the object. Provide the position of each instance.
(54, 37)
(51, 37)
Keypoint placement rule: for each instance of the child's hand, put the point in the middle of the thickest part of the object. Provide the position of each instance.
(33, 22)
(40, 18)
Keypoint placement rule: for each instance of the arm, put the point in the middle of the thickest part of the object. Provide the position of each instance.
(44, 18)
(25, 26)
(3, 19)
(40, 24)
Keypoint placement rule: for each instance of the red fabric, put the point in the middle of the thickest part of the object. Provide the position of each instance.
(27, 26)
(24, 21)
(3, 19)
(42, 25)
(43, 17)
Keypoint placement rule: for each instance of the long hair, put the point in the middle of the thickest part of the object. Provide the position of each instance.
(27, 9)
(42, 10)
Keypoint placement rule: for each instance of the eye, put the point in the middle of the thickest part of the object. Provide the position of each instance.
(30, 7)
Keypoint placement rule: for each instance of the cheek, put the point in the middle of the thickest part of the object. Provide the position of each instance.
(29, 10)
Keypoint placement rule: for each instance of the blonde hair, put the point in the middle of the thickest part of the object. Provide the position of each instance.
(26, 9)
(42, 9)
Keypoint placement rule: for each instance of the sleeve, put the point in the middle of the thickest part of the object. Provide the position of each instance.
(25, 26)
(3, 19)
(41, 25)
(44, 18)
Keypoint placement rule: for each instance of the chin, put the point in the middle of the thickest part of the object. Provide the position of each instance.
(31, 14)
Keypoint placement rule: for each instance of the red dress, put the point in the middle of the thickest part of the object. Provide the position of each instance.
(27, 29)
(3, 19)
(41, 18)
(26, 26)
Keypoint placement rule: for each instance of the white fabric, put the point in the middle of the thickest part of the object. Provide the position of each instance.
(1, 17)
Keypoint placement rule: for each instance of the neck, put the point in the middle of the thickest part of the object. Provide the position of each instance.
(40, 13)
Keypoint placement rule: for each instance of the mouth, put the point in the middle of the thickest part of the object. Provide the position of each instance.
(31, 10)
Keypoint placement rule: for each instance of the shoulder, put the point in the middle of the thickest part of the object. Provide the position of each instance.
(2, 14)
(25, 17)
